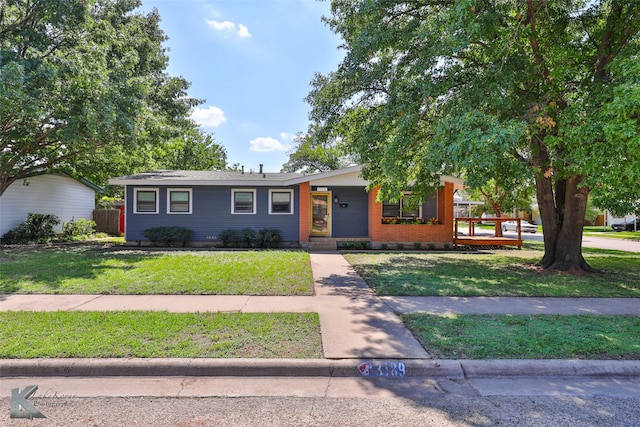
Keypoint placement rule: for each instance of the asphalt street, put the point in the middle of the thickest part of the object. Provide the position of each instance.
(432, 409)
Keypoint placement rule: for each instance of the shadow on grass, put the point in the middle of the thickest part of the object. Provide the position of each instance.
(496, 274)
(48, 267)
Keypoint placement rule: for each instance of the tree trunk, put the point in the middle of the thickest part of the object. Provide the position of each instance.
(562, 210)
(496, 210)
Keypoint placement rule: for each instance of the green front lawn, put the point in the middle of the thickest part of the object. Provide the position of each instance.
(501, 273)
(146, 334)
(608, 232)
(527, 337)
(90, 269)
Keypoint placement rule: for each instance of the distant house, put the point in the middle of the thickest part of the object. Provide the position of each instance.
(58, 194)
(316, 210)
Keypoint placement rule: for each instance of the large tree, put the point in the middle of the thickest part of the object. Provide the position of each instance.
(547, 90)
(312, 154)
(194, 151)
(83, 88)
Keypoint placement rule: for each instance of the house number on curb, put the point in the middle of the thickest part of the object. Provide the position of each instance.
(21, 407)
(389, 369)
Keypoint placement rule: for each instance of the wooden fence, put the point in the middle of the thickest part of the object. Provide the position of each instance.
(107, 221)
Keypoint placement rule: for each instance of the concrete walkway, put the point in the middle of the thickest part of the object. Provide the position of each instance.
(356, 325)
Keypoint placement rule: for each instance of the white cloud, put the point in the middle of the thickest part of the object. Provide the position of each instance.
(266, 144)
(208, 117)
(221, 26)
(228, 27)
(243, 32)
(287, 136)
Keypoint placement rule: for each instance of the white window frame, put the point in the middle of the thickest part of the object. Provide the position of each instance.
(291, 193)
(135, 200)
(233, 200)
(179, 190)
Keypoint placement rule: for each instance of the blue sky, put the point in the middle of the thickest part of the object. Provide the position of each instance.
(252, 61)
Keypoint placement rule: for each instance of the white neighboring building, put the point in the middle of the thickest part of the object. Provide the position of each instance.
(59, 195)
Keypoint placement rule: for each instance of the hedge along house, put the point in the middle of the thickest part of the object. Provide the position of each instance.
(313, 211)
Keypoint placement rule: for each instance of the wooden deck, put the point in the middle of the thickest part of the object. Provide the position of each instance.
(485, 240)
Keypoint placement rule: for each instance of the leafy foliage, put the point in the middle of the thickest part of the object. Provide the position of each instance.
(312, 155)
(268, 238)
(194, 151)
(168, 236)
(37, 228)
(248, 238)
(84, 88)
(228, 238)
(78, 229)
(510, 91)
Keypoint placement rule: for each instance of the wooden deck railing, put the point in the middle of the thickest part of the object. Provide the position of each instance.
(473, 240)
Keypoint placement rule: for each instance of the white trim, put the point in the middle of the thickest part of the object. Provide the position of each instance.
(292, 203)
(135, 200)
(187, 190)
(233, 200)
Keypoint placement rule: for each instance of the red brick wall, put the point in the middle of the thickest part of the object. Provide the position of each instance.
(304, 204)
(408, 233)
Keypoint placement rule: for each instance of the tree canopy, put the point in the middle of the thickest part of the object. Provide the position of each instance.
(312, 154)
(544, 90)
(84, 88)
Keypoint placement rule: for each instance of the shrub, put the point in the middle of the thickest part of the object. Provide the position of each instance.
(247, 237)
(269, 238)
(384, 246)
(107, 202)
(400, 246)
(37, 228)
(417, 245)
(78, 229)
(168, 235)
(228, 238)
(354, 245)
(432, 246)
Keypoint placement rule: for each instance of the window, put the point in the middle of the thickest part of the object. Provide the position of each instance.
(179, 201)
(398, 209)
(146, 200)
(243, 201)
(280, 201)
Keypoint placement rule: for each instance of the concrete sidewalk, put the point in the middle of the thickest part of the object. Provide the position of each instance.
(356, 326)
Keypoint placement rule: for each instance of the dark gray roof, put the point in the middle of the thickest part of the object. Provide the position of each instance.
(205, 177)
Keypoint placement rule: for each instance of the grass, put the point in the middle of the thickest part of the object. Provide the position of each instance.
(159, 334)
(527, 337)
(92, 269)
(608, 232)
(500, 273)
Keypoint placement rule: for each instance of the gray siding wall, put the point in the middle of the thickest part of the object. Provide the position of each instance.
(352, 220)
(211, 213)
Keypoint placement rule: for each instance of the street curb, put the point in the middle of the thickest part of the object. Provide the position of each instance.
(549, 368)
(454, 369)
(216, 367)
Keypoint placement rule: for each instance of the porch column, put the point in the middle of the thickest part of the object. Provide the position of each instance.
(303, 209)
